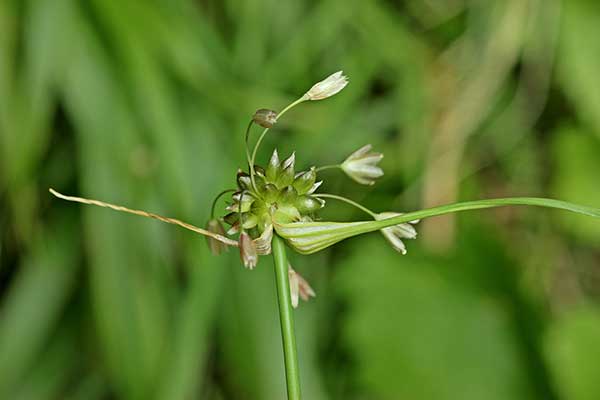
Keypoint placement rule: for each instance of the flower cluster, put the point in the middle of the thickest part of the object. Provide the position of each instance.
(278, 200)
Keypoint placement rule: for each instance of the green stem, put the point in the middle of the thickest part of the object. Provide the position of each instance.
(324, 167)
(286, 318)
(264, 133)
(214, 203)
(345, 200)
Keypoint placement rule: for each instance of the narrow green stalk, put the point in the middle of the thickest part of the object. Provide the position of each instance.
(214, 203)
(264, 133)
(345, 200)
(286, 318)
(324, 167)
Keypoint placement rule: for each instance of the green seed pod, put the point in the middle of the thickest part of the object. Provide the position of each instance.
(273, 168)
(286, 177)
(265, 117)
(308, 204)
(305, 180)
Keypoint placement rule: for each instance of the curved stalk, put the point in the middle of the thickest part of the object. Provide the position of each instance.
(345, 200)
(286, 318)
(324, 167)
(264, 133)
(214, 203)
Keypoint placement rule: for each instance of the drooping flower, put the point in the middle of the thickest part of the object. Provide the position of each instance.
(299, 287)
(216, 247)
(327, 87)
(362, 165)
(395, 234)
(248, 252)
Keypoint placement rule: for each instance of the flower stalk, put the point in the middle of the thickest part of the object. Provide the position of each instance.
(286, 318)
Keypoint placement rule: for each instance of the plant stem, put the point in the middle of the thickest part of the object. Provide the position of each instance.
(324, 167)
(286, 318)
(345, 200)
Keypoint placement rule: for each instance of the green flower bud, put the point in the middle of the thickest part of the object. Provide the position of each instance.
(270, 193)
(286, 177)
(305, 180)
(249, 220)
(288, 194)
(308, 204)
(286, 213)
(290, 161)
(273, 167)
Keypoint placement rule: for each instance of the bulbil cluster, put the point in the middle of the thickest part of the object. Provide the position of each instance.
(278, 200)
(275, 193)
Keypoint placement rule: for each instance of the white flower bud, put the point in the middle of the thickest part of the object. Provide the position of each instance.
(362, 165)
(327, 87)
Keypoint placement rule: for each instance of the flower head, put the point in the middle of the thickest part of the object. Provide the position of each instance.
(327, 87)
(299, 287)
(362, 165)
(248, 252)
(395, 234)
(216, 247)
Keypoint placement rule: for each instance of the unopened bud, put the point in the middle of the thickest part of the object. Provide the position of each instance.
(304, 181)
(327, 87)
(362, 165)
(265, 117)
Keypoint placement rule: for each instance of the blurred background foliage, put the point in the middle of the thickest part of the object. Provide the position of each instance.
(144, 103)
